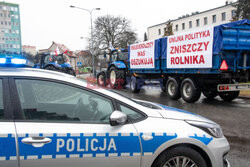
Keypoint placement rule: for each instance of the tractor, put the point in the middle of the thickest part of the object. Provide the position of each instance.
(58, 62)
(115, 74)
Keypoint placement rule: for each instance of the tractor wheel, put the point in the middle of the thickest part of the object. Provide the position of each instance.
(116, 78)
(101, 79)
(52, 68)
(71, 72)
(229, 96)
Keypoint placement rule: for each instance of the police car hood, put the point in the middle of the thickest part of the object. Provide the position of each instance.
(175, 113)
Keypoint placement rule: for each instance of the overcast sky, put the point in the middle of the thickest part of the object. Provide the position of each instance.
(44, 21)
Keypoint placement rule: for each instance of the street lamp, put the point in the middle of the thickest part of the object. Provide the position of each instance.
(92, 52)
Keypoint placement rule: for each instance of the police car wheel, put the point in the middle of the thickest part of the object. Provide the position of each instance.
(173, 88)
(180, 156)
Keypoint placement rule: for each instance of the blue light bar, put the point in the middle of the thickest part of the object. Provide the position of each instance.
(18, 61)
(2, 60)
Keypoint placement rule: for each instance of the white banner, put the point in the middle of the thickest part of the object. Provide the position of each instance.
(191, 49)
(142, 55)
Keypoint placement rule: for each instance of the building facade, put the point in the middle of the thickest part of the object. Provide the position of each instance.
(196, 20)
(10, 28)
(29, 49)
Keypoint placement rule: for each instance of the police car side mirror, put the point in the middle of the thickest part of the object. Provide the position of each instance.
(118, 118)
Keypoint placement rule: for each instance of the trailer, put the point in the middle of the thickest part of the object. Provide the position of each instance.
(213, 61)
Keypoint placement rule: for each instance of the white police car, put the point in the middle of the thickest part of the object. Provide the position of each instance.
(53, 119)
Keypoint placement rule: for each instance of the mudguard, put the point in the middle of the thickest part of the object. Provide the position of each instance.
(64, 65)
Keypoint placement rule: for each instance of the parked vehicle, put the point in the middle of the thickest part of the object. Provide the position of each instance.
(213, 61)
(115, 74)
(53, 119)
(58, 62)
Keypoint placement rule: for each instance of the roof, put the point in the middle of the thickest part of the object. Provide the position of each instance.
(61, 47)
(9, 4)
(230, 4)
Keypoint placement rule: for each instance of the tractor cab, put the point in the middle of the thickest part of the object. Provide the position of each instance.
(117, 55)
(53, 62)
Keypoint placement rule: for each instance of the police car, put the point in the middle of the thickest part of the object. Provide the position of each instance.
(49, 118)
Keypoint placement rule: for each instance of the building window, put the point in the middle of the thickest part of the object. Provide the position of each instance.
(214, 18)
(159, 31)
(183, 26)
(233, 13)
(197, 22)
(205, 20)
(176, 27)
(165, 29)
(1, 14)
(223, 16)
(190, 24)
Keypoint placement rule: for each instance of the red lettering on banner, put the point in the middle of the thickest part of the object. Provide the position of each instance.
(199, 46)
(195, 59)
(202, 59)
(141, 53)
(172, 50)
(142, 61)
(189, 48)
(194, 50)
(172, 60)
(206, 44)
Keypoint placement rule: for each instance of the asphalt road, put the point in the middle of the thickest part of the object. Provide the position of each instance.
(234, 118)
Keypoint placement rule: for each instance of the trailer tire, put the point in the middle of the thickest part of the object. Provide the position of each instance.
(210, 94)
(134, 85)
(116, 78)
(173, 88)
(101, 79)
(190, 90)
(163, 85)
(229, 96)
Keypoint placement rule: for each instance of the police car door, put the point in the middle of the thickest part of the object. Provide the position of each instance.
(8, 152)
(63, 125)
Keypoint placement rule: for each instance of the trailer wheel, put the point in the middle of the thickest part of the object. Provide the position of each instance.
(163, 85)
(173, 88)
(190, 90)
(229, 96)
(116, 78)
(101, 79)
(210, 94)
(134, 85)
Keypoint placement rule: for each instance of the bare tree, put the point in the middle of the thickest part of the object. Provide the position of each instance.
(169, 29)
(112, 30)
